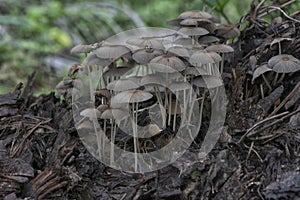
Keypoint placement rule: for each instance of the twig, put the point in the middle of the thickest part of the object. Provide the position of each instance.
(264, 13)
(284, 13)
(286, 99)
(259, 123)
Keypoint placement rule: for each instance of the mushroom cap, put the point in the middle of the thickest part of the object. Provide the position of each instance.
(74, 69)
(117, 71)
(178, 86)
(114, 113)
(259, 71)
(93, 59)
(122, 84)
(206, 81)
(102, 107)
(103, 93)
(131, 96)
(178, 51)
(85, 48)
(203, 23)
(202, 58)
(153, 80)
(166, 63)
(227, 31)
(208, 39)
(193, 31)
(196, 71)
(91, 113)
(220, 48)
(284, 63)
(143, 56)
(184, 41)
(112, 51)
(198, 15)
(153, 43)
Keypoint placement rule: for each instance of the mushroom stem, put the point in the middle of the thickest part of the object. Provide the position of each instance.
(222, 64)
(275, 79)
(112, 139)
(91, 85)
(160, 103)
(267, 82)
(170, 108)
(261, 90)
(175, 115)
(279, 48)
(134, 127)
(281, 78)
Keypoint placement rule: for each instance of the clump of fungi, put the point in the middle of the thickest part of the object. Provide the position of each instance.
(162, 76)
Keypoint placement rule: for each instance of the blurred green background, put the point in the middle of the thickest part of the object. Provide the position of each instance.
(37, 35)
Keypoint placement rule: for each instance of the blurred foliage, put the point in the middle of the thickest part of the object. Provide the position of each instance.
(37, 35)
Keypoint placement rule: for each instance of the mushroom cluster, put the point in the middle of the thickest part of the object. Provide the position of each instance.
(273, 55)
(162, 78)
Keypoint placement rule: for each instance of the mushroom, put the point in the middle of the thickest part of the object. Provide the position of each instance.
(112, 52)
(227, 31)
(222, 49)
(259, 71)
(167, 64)
(82, 48)
(122, 84)
(93, 115)
(114, 115)
(176, 87)
(116, 72)
(133, 97)
(193, 32)
(283, 63)
(178, 51)
(152, 43)
(184, 41)
(203, 23)
(198, 15)
(279, 41)
(208, 39)
(205, 59)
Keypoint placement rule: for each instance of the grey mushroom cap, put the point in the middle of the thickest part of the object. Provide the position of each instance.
(147, 43)
(202, 58)
(114, 113)
(198, 15)
(179, 51)
(131, 96)
(227, 31)
(259, 71)
(284, 63)
(203, 23)
(208, 39)
(91, 113)
(193, 31)
(167, 64)
(112, 51)
(143, 56)
(206, 81)
(117, 71)
(85, 48)
(220, 48)
(93, 59)
(185, 41)
(196, 71)
(122, 84)
(153, 80)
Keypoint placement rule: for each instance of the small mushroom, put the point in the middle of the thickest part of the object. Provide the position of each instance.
(198, 15)
(208, 60)
(167, 64)
(122, 84)
(259, 71)
(222, 49)
(82, 48)
(143, 56)
(112, 52)
(279, 41)
(152, 43)
(193, 31)
(133, 97)
(208, 39)
(227, 31)
(283, 63)
(178, 51)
